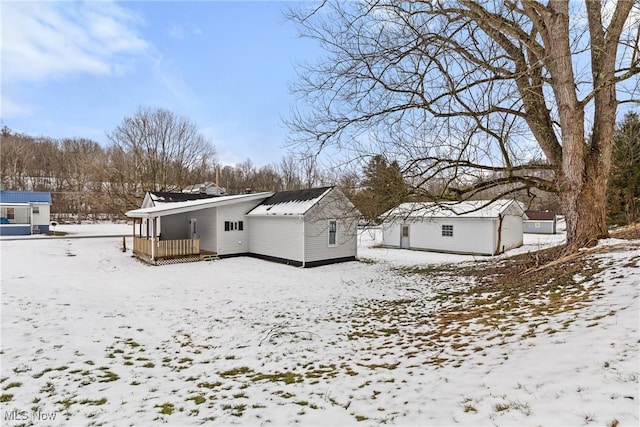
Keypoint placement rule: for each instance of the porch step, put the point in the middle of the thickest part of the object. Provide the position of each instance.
(209, 257)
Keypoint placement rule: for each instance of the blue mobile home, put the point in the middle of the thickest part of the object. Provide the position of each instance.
(24, 212)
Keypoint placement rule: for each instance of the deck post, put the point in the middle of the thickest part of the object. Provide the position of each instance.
(153, 239)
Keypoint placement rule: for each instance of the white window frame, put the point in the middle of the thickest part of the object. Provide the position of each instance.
(447, 230)
(333, 232)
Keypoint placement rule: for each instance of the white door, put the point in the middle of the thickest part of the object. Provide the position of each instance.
(193, 228)
(404, 237)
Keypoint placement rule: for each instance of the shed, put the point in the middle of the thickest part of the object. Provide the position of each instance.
(540, 222)
(481, 227)
(24, 212)
(304, 228)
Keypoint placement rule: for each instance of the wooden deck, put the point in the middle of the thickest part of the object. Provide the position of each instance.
(154, 249)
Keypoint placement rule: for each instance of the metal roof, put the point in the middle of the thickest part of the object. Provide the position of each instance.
(465, 209)
(541, 215)
(172, 197)
(294, 202)
(25, 197)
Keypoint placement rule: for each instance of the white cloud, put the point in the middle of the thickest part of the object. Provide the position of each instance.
(11, 109)
(177, 32)
(48, 40)
(171, 78)
(229, 158)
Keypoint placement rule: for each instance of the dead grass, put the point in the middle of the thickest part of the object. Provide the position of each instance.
(628, 232)
(508, 300)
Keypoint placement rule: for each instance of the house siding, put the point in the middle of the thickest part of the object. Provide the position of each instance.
(391, 233)
(21, 216)
(470, 235)
(539, 227)
(316, 234)
(278, 237)
(146, 202)
(42, 219)
(511, 233)
(175, 227)
(234, 241)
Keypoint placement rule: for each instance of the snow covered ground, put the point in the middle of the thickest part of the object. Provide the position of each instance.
(90, 336)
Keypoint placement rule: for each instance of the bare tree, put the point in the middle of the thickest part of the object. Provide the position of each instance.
(80, 170)
(310, 172)
(288, 170)
(465, 93)
(13, 168)
(155, 149)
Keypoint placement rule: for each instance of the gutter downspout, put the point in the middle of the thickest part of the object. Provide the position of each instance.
(304, 238)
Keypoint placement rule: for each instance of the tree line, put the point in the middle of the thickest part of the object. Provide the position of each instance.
(156, 150)
(150, 150)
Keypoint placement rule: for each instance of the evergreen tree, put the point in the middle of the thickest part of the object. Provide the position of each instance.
(624, 184)
(383, 188)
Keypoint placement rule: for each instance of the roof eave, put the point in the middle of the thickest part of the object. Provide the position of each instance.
(168, 209)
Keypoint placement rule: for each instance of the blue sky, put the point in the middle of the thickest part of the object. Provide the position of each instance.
(72, 69)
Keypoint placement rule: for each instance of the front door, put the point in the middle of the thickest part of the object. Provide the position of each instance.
(193, 228)
(404, 237)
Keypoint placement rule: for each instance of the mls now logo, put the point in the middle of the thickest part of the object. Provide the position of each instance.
(17, 415)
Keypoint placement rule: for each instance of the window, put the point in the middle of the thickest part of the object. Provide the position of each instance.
(333, 226)
(11, 213)
(36, 209)
(447, 230)
(233, 225)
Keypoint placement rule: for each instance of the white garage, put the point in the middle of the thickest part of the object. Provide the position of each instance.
(479, 227)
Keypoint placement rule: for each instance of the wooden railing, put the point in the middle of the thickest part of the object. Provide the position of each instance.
(142, 246)
(166, 248)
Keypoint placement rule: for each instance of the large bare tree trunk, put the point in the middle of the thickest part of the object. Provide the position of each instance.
(586, 163)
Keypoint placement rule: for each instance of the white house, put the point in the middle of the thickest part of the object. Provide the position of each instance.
(24, 212)
(472, 227)
(182, 229)
(302, 228)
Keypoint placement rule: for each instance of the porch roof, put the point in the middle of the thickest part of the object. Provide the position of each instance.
(194, 205)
